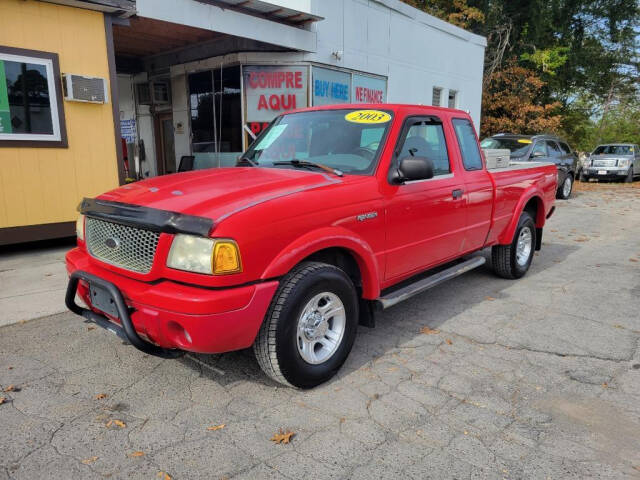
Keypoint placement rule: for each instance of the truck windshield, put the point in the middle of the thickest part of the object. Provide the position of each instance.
(517, 146)
(613, 150)
(348, 140)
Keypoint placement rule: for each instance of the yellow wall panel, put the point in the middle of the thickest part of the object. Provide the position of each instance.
(45, 185)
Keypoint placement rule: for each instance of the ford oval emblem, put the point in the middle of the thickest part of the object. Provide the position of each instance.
(112, 242)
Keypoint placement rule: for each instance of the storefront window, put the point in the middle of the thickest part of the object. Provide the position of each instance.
(330, 86)
(216, 127)
(30, 109)
(271, 90)
(368, 89)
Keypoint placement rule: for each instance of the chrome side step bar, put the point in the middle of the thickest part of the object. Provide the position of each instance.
(420, 286)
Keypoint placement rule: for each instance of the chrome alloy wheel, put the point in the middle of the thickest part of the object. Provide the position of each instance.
(321, 326)
(566, 187)
(524, 246)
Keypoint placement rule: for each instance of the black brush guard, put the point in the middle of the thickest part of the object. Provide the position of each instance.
(126, 332)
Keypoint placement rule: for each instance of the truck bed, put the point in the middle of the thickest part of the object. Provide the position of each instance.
(511, 185)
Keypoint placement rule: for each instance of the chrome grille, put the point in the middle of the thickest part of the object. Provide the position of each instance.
(120, 245)
(605, 163)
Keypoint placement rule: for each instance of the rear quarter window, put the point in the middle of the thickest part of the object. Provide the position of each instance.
(471, 157)
(564, 147)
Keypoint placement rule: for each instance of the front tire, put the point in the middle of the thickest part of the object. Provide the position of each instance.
(513, 261)
(564, 192)
(629, 178)
(310, 326)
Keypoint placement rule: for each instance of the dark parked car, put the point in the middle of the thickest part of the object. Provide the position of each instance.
(540, 148)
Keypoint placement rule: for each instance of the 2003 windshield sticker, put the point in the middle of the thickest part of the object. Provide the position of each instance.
(367, 116)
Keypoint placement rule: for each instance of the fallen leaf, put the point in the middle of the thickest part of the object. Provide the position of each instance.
(617, 326)
(633, 259)
(282, 436)
(491, 299)
(10, 368)
(215, 427)
(87, 461)
(136, 454)
(100, 396)
(429, 331)
(466, 433)
(10, 388)
(449, 342)
(605, 385)
(342, 419)
(163, 476)
(2, 400)
(91, 327)
(117, 423)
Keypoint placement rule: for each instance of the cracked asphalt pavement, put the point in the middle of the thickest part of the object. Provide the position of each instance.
(537, 378)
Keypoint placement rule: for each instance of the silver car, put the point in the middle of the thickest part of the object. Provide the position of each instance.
(613, 161)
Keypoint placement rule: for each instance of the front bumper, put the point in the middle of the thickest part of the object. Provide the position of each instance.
(168, 316)
(610, 173)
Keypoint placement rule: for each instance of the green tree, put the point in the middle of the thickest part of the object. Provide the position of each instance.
(585, 53)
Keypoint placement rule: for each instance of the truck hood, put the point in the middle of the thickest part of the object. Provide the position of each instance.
(220, 192)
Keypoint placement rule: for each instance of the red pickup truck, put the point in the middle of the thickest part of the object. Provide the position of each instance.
(332, 213)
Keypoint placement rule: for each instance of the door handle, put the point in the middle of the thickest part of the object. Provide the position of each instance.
(457, 193)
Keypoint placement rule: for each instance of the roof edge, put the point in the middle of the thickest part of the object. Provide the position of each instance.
(122, 8)
(434, 22)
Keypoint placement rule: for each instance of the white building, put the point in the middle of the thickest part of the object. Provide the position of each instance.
(260, 58)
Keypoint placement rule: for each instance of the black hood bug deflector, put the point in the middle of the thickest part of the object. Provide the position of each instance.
(144, 217)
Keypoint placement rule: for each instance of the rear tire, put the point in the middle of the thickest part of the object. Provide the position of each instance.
(564, 190)
(310, 326)
(513, 260)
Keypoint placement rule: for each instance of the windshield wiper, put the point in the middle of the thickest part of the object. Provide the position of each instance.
(304, 163)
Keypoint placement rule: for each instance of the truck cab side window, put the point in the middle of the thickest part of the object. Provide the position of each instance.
(426, 139)
(539, 147)
(468, 143)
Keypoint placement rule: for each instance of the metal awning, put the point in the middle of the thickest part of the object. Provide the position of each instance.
(121, 8)
(267, 10)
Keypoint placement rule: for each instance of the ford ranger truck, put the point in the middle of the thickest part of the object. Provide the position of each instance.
(332, 214)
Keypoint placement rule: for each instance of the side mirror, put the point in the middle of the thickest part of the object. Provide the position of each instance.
(537, 154)
(413, 168)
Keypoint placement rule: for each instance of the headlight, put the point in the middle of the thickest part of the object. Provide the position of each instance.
(623, 162)
(80, 228)
(204, 255)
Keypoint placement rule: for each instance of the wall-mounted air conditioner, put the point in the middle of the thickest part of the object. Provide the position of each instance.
(78, 88)
(157, 92)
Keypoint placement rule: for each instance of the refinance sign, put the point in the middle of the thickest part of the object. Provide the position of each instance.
(271, 90)
(369, 89)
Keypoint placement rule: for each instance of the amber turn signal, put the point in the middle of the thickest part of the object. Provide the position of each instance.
(226, 258)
